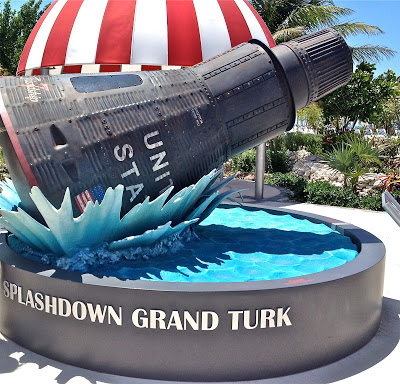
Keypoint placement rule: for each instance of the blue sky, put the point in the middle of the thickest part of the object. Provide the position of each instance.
(383, 13)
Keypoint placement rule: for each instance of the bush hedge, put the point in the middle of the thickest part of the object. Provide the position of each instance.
(295, 141)
(321, 192)
(245, 162)
(294, 183)
(277, 161)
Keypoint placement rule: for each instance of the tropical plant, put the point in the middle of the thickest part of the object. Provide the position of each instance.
(388, 149)
(15, 28)
(353, 159)
(343, 160)
(321, 192)
(288, 19)
(312, 116)
(277, 161)
(294, 183)
(391, 181)
(363, 150)
(244, 162)
(363, 98)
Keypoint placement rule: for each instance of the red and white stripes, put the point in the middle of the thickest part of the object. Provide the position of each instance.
(112, 35)
(83, 199)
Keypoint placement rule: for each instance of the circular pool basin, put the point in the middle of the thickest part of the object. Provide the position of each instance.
(213, 331)
(231, 245)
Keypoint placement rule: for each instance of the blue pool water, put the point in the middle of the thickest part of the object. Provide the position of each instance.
(240, 245)
(231, 245)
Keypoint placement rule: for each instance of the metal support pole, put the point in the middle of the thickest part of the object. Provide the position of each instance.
(260, 169)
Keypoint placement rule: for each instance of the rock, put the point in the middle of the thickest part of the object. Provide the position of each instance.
(4, 171)
(314, 168)
(250, 177)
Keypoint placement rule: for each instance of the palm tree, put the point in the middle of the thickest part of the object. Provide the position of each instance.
(353, 158)
(288, 19)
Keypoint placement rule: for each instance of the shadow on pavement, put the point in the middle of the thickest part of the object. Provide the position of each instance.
(271, 193)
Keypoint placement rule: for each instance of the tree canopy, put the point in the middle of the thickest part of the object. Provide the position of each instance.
(363, 98)
(312, 115)
(288, 19)
(15, 28)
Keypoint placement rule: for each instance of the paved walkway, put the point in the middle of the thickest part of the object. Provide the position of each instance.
(377, 362)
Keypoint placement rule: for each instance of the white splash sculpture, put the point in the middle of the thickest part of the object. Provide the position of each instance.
(145, 224)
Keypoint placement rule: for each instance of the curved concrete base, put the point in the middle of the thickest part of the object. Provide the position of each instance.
(195, 331)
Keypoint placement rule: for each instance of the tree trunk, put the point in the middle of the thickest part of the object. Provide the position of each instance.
(337, 124)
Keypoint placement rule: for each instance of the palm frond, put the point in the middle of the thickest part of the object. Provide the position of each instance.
(341, 159)
(372, 53)
(288, 34)
(321, 2)
(270, 11)
(315, 16)
(363, 150)
(355, 28)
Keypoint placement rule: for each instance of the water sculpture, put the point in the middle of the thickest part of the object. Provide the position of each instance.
(112, 139)
(145, 224)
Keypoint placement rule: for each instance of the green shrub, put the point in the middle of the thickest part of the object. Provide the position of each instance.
(277, 144)
(371, 202)
(314, 145)
(295, 141)
(294, 183)
(277, 161)
(396, 195)
(331, 140)
(321, 192)
(245, 162)
(389, 149)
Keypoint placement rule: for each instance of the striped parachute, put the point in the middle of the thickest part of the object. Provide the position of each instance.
(89, 36)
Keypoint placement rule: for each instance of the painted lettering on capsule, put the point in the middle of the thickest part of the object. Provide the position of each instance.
(152, 142)
(159, 163)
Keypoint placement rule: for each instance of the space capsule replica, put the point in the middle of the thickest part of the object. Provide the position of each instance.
(151, 130)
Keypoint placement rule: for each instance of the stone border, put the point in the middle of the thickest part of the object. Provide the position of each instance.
(214, 331)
